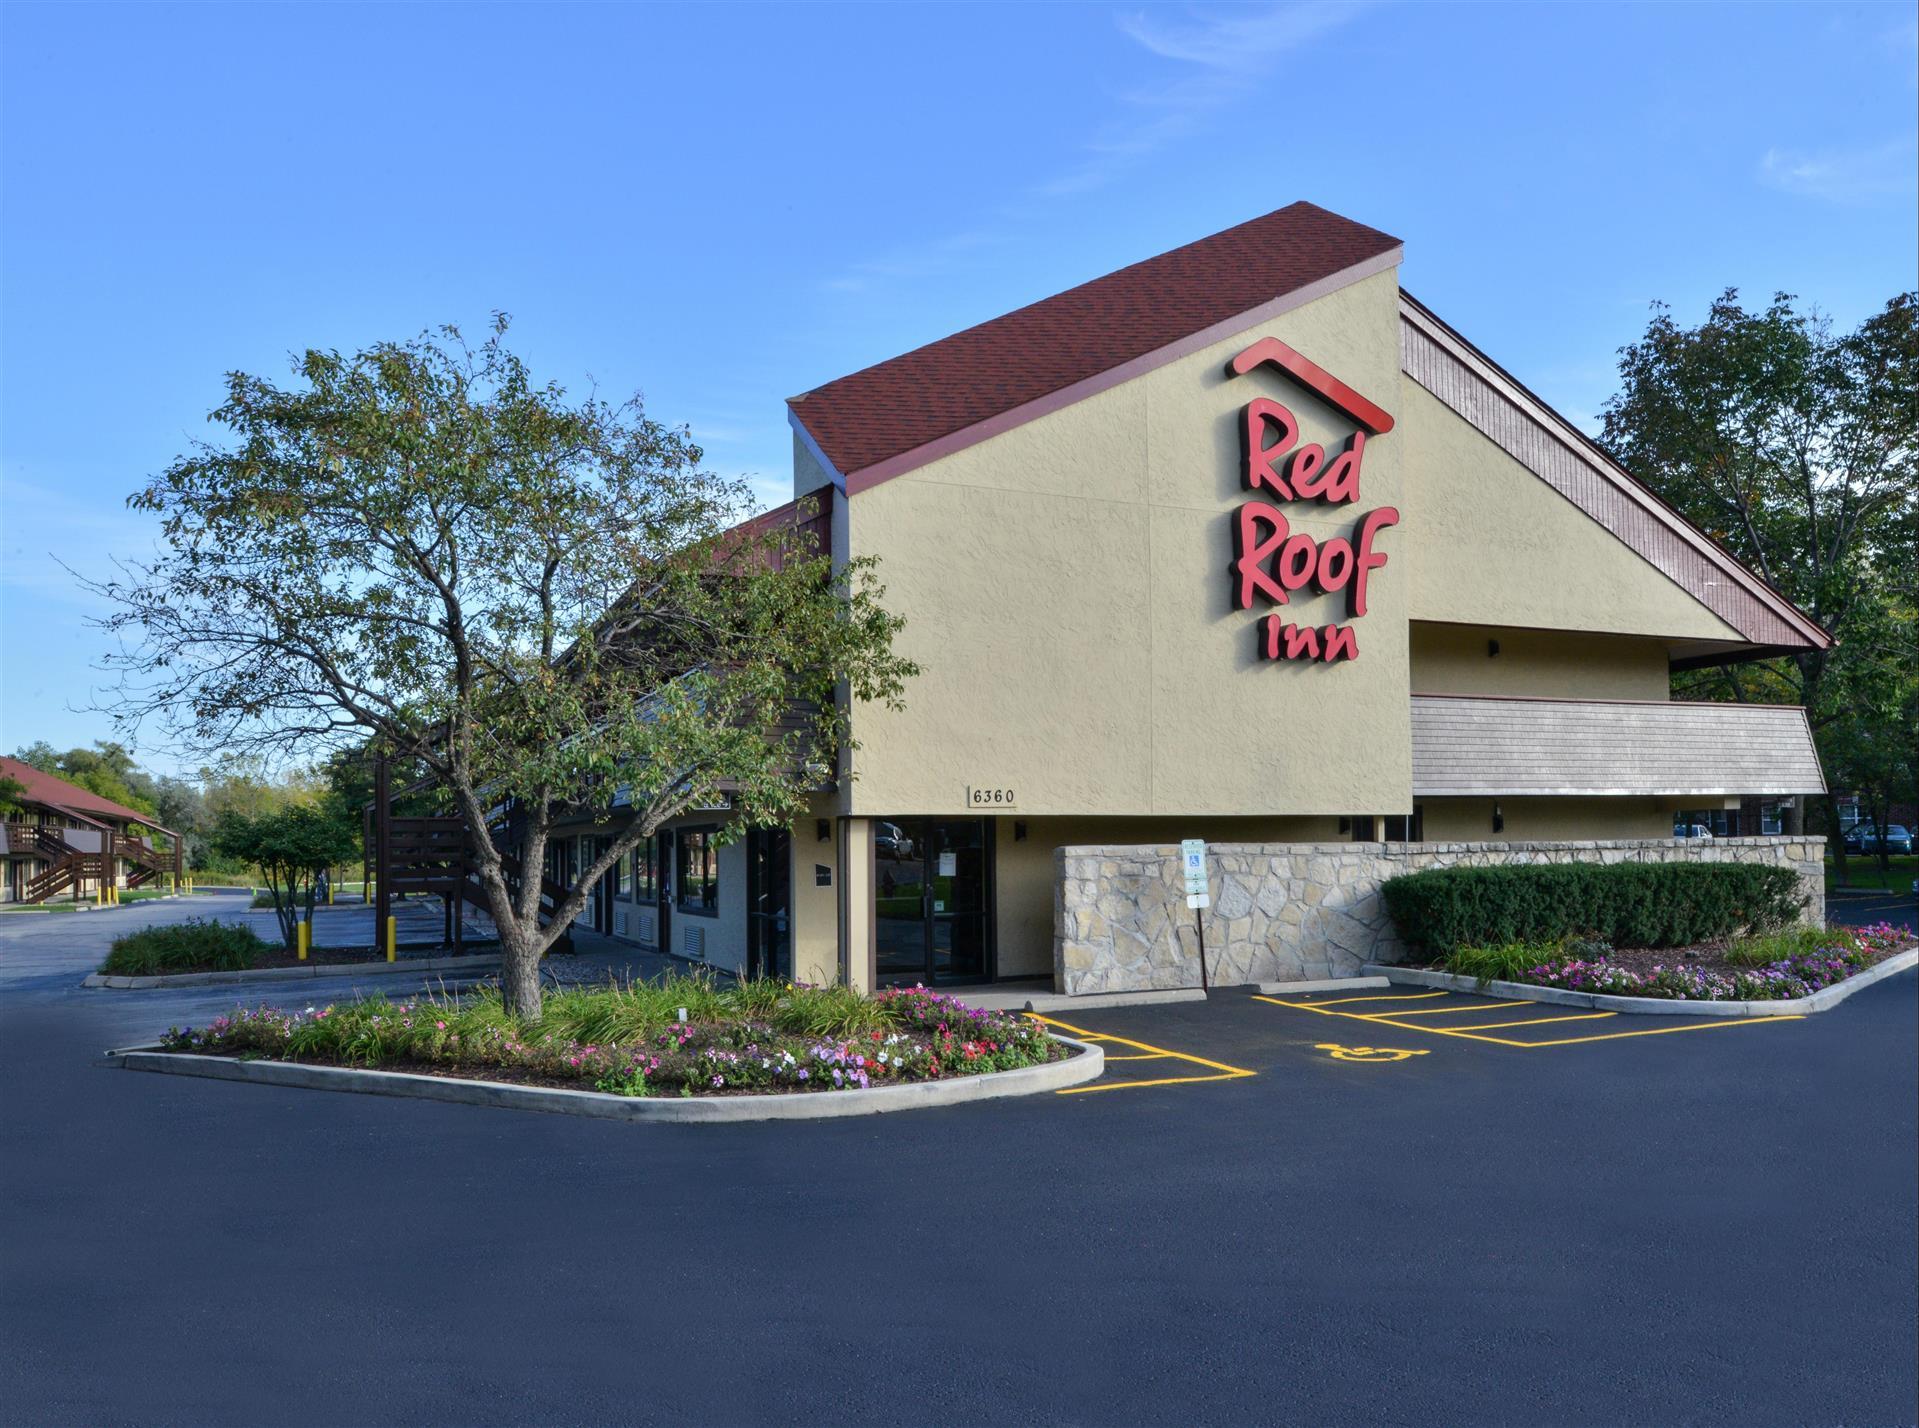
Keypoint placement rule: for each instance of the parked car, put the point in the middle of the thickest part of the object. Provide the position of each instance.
(1893, 838)
(1691, 830)
(890, 841)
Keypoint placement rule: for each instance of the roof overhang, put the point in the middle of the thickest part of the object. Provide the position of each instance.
(1478, 746)
(869, 476)
(1500, 408)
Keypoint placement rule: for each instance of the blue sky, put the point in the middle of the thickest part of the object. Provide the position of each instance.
(724, 207)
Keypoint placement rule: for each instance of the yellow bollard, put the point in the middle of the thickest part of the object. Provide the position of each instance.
(303, 937)
(393, 939)
(329, 892)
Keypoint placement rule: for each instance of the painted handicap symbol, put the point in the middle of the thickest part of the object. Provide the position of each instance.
(1374, 1054)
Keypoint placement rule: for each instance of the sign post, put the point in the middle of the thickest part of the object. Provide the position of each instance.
(1192, 855)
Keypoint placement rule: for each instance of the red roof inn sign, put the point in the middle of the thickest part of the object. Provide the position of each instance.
(1271, 560)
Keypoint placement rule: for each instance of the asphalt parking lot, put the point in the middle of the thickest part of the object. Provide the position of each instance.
(1720, 1226)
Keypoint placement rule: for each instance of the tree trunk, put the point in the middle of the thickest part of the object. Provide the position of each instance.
(520, 973)
(1836, 841)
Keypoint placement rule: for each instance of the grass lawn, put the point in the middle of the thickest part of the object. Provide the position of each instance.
(1862, 871)
(684, 1036)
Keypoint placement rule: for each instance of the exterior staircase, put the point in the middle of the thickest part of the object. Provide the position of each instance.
(434, 856)
(67, 867)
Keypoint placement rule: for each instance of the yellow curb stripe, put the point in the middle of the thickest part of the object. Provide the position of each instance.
(1140, 1056)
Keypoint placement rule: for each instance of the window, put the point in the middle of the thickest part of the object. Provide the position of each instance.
(623, 877)
(1403, 828)
(699, 870)
(646, 863)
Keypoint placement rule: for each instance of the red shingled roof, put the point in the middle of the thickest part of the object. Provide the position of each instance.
(51, 792)
(984, 371)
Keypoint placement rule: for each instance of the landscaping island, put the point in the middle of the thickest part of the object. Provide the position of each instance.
(1757, 967)
(684, 1037)
(1717, 932)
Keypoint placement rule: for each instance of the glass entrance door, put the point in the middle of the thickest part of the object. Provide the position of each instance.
(769, 884)
(932, 900)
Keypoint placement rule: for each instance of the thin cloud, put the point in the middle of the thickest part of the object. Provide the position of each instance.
(1855, 175)
(939, 256)
(1218, 56)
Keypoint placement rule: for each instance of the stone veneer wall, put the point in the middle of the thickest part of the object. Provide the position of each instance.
(1286, 912)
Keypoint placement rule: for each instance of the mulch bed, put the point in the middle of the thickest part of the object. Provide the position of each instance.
(342, 956)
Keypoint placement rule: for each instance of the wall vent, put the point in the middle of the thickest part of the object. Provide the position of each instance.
(621, 923)
(646, 927)
(696, 942)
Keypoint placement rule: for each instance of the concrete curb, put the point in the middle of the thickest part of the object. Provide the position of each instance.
(1819, 1001)
(1088, 1065)
(1055, 1001)
(1329, 984)
(403, 967)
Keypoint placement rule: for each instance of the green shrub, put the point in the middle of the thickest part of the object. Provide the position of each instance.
(195, 945)
(1625, 904)
(1762, 949)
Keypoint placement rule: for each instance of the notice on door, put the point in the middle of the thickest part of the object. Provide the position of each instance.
(1192, 857)
(948, 865)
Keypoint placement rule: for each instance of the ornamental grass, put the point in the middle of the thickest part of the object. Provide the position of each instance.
(683, 1036)
(195, 945)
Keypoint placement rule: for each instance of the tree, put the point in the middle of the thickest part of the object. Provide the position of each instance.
(544, 601)
(12, 795)
(107, 769)
(288, 847)
(1797, 449)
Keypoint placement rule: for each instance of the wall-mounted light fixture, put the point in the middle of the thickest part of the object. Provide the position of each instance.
(1019, 832)
(1499, 820)
(824, 827)
(1492, 649)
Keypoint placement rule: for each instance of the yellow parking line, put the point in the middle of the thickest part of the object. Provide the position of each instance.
(1385, 997)
(1718, 1025)
(1385, 1019)
(1531, 1021)
(1155, 1053)
(1143, 1046)
(1165, 1081)
(1438, 1011)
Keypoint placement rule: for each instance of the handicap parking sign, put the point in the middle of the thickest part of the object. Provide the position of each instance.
(1192, 854)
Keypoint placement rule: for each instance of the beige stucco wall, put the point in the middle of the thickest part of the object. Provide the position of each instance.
(1470, 820)
(1495, 545)
(815, 922)
(1023, 869)
(1555, 664)
(1068, 596)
